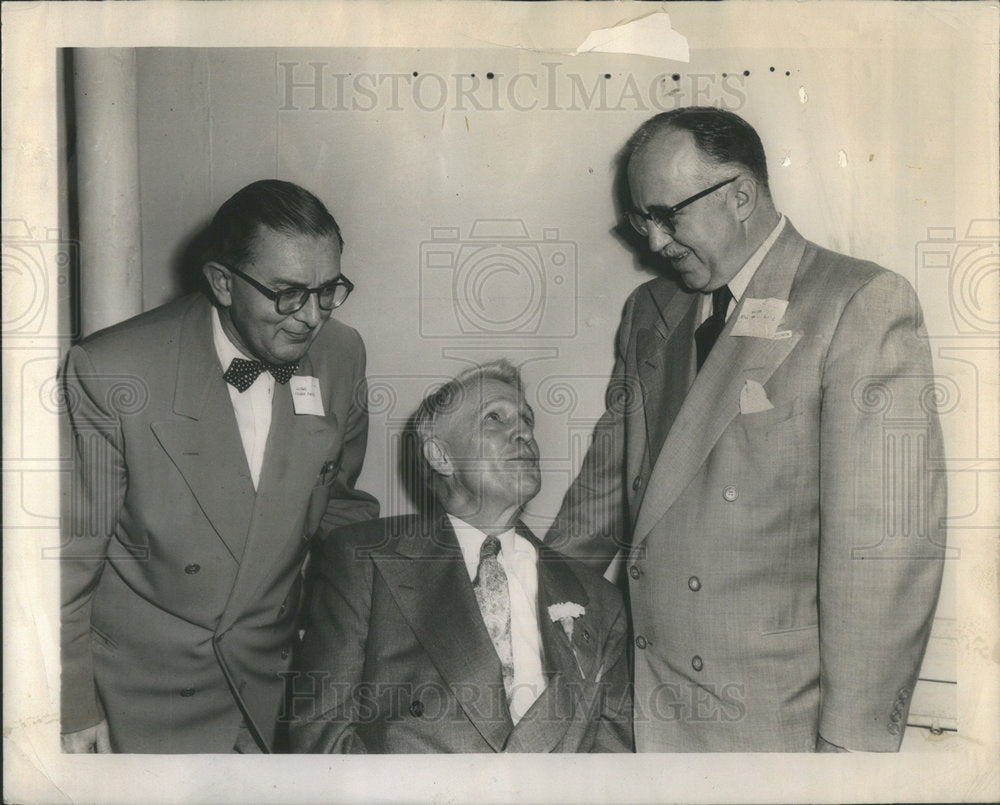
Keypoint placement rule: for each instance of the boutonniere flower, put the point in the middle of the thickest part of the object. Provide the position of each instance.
(564, 614)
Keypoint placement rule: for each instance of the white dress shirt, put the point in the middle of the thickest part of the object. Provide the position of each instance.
(738, 284)
(252, 407)
(519, 560)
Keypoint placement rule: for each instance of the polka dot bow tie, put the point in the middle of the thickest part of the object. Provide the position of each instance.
(242, 373)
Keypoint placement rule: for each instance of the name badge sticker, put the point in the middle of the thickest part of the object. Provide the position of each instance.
(306, 396)
(759, 318)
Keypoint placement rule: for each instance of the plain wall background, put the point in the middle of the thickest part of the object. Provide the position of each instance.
(862, 149)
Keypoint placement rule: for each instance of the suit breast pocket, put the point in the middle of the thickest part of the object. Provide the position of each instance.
(772, 417)
(778, 449)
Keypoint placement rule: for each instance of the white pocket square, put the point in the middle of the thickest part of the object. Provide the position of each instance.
(753, 398)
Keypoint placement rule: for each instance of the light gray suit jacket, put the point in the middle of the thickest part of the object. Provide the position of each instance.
(180, 581)
(784, 564)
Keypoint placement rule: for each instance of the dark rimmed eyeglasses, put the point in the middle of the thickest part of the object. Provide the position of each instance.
(291, 300)
(663, 217)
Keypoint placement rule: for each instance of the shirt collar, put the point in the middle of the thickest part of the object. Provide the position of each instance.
(470, 540)
(738, 284)
(225, 349)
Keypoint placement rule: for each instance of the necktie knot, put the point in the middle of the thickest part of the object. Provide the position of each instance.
(721, 297)
(490, 547)
(242, 373)
(708, 331)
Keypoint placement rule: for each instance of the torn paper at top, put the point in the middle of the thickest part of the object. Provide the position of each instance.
(651, 35)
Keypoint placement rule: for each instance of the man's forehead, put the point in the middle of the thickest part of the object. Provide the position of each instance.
(477, 395)
(270, 240)
(669, 156)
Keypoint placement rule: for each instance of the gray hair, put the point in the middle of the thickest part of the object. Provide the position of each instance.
(446, 399)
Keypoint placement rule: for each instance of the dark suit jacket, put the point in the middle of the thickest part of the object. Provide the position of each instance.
(784, 564)
(180, 582)
(396, 657)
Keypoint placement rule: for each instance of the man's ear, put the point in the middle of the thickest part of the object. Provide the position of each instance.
(220, 280)
(437, 457)
(746, 194)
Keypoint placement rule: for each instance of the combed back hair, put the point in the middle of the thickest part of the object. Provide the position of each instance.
(724, 138)
(443, 400)
(281, 206)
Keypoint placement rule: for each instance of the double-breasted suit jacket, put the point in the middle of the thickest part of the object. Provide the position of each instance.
(783, 558)
(396, 657)
(180, 581)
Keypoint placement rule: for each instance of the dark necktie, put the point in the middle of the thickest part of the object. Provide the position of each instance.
(242, 373)
(708, 331)
(494, 602)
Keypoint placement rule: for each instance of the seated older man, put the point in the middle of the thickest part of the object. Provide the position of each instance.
(457, 630)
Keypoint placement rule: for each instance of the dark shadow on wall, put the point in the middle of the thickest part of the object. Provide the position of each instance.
(643, 260)
(188, 258)
(70, 324)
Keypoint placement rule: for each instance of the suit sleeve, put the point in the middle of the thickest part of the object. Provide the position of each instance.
(327, 693)
(91, 501)
(882, 507)
(346, 504)
(614, 729)
(592, 521)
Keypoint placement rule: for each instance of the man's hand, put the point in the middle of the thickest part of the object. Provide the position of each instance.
(91, 740)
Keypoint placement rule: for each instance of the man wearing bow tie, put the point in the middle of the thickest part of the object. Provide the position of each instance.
(764, 466)
(212, 440)
(456, 630)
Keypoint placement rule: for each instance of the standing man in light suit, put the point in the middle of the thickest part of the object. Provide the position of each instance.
(783, 561)
(212, 440)
(457, 630)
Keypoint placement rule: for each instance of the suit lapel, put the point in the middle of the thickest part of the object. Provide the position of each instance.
(666, 368)
(567, 676)
(713, 399)
(297, 446)
(429, 581)
(207, 449)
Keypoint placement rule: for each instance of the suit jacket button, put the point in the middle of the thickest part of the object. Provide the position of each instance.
(895, 716)
(903, 693)
(192, 569)
(694, 584)
(697, 663)
(640, 641)
(893, 728)
(417, 709)
(634, 572)
(636, 483)
(284, 654)
(187, 692)
(730, 493)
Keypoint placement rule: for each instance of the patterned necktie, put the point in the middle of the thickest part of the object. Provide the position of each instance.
(242, 373)
(708, 331)
(494, 602)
